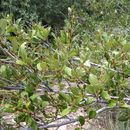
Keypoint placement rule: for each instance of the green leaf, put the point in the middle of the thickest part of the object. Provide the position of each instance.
(78, 99)
(124, 105)
(3, 25)
(23, 47)
(93, 79)
(77, 129)
(6, 71)
(63, 37)
(126, 70)
(39, 67)
(75, 90)
(45, 98)
(3, 70)
(22, 51)
(126, 47)
(95, 84)
(112, 103)
(21, 117)
(81, 120)
(39, 32)
(91, 89)
(44, 104)
(45, 32)
(105, 95)
(9, 108)
(66, 111)
(20, 62)
(20, 104)
(34, 97)
(32, 123)
(90, 100)
(105, 36)
(24, 94)
(66, 97)
(30, 88)
(14, 43)
(92, 114)
(80, 71)
(67, 71)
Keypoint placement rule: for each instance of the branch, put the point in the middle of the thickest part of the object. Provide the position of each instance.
(98, 65)
(7, 52)
(115, 97)
(71, 120)
(14, 57)
(6, 62)
(49, 90)
(11, 88)
(6, 80)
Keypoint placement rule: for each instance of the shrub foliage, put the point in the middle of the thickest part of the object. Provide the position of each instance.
(84, 66)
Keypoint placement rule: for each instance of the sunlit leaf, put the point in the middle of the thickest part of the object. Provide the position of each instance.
(66, 111)
(22, 51)
(105, 95)
(20, 62)
(67, 71)
(93, 79)
(112, 103)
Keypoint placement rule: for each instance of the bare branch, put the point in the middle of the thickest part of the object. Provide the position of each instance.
(51, 125)
(115, 97)
(6, 61)
(7, 52)
(11, 88)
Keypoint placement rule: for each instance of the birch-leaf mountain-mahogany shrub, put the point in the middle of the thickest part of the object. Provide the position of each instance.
(42, 82)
